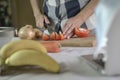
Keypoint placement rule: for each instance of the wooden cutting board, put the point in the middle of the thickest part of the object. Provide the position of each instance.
(78, 42)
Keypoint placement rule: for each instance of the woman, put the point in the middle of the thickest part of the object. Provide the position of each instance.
(64, 15)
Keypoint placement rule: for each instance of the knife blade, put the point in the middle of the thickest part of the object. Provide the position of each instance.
(44, 30)
(49, 28)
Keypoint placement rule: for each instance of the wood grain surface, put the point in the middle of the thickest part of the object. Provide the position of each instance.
(79, 42)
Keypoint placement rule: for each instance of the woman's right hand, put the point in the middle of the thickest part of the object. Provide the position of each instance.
(40, 20)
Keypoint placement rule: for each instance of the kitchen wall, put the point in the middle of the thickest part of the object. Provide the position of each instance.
(20, 13)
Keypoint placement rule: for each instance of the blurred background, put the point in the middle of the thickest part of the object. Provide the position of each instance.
(16, 13)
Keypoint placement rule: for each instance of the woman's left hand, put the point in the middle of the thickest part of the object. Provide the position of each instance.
(70, 25)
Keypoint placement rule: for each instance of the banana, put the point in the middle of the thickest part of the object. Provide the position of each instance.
(32, 57)
(11, 47)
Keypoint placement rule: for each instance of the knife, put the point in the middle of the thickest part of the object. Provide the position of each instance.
(49, 28)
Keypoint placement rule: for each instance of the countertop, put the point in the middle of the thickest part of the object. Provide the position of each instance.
(72, 67)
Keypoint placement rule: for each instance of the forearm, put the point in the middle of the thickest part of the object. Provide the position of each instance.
(36, 10)
(88, 10)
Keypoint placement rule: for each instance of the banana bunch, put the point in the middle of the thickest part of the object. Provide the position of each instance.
(27, 52)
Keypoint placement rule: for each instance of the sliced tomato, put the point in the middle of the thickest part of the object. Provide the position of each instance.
(52, 36)
(81, 32)
(45, 37)
(61, 36)
(57, 36)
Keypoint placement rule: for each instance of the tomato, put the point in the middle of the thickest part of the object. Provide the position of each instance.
(45, 37)
(81, 32)
(61, 36)
(53, 36)
(57, 36)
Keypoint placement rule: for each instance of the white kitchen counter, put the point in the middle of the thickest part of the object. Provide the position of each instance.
(72, 68)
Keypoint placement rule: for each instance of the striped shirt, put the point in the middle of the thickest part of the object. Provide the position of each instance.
(59, 11)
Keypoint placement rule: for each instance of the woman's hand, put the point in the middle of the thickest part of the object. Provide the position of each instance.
(70, 25)
(40, 20)
(39, 17)
(80, 18)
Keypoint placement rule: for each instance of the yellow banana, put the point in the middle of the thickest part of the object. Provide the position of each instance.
(11, 47)
(32, 57)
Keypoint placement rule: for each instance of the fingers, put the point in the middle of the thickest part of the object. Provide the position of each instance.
(69, 35)
(68, 30)
(39, 23)
(41, 20)
(46, 20)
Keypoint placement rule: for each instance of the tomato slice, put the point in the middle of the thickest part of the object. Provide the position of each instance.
(61, 36)
(81, 32)
(52, 36)
(45, 37)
